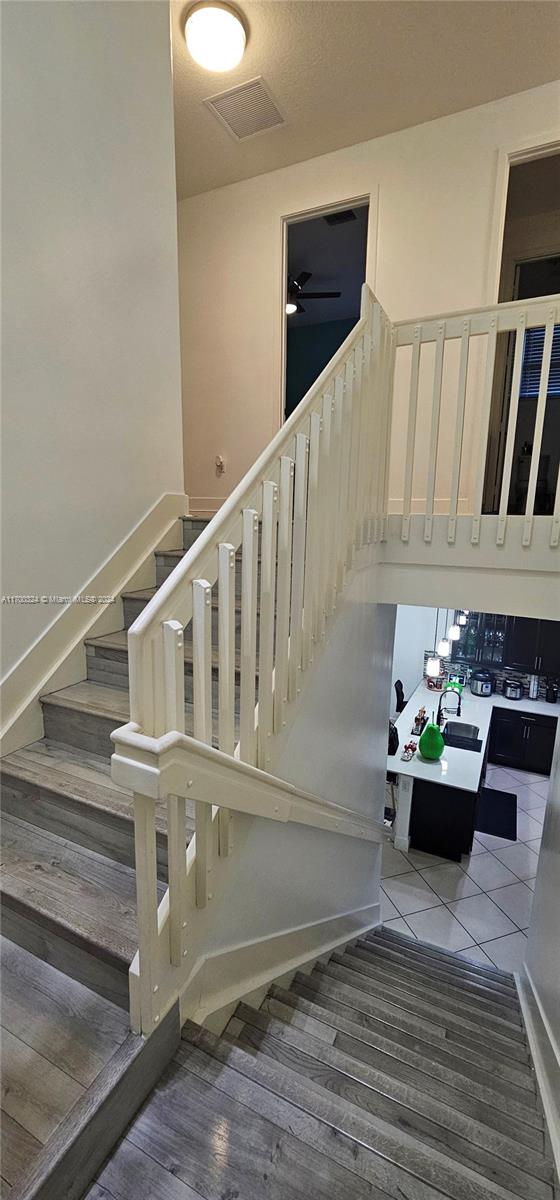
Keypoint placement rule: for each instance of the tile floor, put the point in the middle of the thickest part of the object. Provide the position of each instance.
(480, 908)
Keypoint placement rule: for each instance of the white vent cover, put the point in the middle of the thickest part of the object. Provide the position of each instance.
(246, 110)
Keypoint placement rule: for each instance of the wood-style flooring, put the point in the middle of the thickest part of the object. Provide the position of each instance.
(57, 1036)
(395, 1071)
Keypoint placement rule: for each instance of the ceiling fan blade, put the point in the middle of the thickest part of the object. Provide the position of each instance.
(320, 295)
(300, 308)
(302, 279)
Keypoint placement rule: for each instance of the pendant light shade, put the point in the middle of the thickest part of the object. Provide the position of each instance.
(462, 619)
(444, 647)
(454, 633)
(433, 665)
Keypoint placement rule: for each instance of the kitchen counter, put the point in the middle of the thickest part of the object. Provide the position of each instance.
(456, 768)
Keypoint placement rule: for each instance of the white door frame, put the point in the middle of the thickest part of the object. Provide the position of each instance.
(524, 150)
(306, 215)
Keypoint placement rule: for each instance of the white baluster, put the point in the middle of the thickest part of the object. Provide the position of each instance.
(484, 426)
(226, 673)
(311, 549)
(174, 667)
(266, 629)
(247, 739)
(298, 564)
(285, 503)
(459, 431)
(147, 908)
(411, 432)
(434, 432)
(511, 427)
(202, 700)
(538, 431)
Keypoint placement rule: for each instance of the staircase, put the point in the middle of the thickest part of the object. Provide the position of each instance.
(68, 887)
(394, 1070)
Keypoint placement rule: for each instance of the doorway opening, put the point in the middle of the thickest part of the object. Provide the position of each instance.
(530, 267)
(326, 267)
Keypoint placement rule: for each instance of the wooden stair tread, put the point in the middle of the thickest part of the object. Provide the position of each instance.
(413, 965)
(464, 1139)
(91, 899)
(444, 957)
(118, 642)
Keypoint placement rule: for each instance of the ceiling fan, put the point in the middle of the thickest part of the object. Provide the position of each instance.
(296, 293)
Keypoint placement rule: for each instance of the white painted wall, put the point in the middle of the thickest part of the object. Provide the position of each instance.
(414, 633)
(436, 185)
(91, 387)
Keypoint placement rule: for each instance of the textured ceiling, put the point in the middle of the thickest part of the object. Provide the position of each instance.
(342, 71)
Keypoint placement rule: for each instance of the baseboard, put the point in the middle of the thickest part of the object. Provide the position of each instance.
(70, 1160)
(57, 658)
(545, 1051)
(228, 976)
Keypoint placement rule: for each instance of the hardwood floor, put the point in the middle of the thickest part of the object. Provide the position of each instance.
(56, 1038)
(336, 1090)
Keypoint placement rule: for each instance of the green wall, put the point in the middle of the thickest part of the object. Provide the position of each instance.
(309, 349)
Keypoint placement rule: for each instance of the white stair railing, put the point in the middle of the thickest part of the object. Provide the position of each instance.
(312, 500)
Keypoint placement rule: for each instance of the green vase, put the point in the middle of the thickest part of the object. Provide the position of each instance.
(431, 744)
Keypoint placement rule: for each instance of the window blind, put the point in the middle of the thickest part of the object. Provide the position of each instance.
(532, 361)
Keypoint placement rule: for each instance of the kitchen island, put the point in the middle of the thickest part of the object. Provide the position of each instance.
(447, 789)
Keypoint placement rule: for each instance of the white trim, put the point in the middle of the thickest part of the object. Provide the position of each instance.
(57, 659)
(523, 150)
(225, 977)
(545, 1051)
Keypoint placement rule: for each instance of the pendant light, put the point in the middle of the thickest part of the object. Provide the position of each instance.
(444, 645)
(454, 632)
(433, 665)
(462, 619)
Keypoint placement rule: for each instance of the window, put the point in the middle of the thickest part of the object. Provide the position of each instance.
(532, 361)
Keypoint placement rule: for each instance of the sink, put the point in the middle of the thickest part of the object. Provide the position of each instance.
(460, 729)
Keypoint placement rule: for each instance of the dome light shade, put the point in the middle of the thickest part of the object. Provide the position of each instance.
(444, 647)
(433, 666)
(454, 633)
(215, 36)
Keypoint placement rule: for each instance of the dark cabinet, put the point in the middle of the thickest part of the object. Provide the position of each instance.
(549, 648)
(522, 741)
(522, 643)
(482, 640)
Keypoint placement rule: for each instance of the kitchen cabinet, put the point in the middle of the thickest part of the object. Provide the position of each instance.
(522, 643)
(482, 640)
(549, 648)
(522, 741)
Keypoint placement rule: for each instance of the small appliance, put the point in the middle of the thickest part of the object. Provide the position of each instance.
(552, 690)
(482, 683)
(533, 687)
(513, 689)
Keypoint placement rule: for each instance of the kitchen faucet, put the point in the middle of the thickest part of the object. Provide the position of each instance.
(441, 699)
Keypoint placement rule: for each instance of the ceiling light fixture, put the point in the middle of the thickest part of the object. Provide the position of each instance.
(454, 633)
(215, 35)
(433, 665)
(444, 645)
(291, 308)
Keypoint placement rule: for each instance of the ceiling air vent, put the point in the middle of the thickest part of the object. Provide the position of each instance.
(246, 110)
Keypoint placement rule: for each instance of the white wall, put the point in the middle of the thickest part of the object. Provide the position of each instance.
(414, 633)
(436, 185)
(91, 387)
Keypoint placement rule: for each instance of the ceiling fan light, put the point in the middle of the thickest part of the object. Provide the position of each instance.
(454, 633)
(444, 647)
(291, 308)
(433, 666)
(215, 35)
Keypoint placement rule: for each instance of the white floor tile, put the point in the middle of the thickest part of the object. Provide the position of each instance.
(500, 777)
(491, 842)
(439, 926)
(541, 789)
(410, 893)
(476, 954)
(521, 859)
(508, 953)
(530, 883)
(535, 845)
(488, 872)
(400, 926)
(515, 900)
(393, 862)
(527, 827)
(538, 814)
(419, 860)
(529, 776)
(388, 910)
(450, 882)
(477, 848)
(528, 798)
(481, 918)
